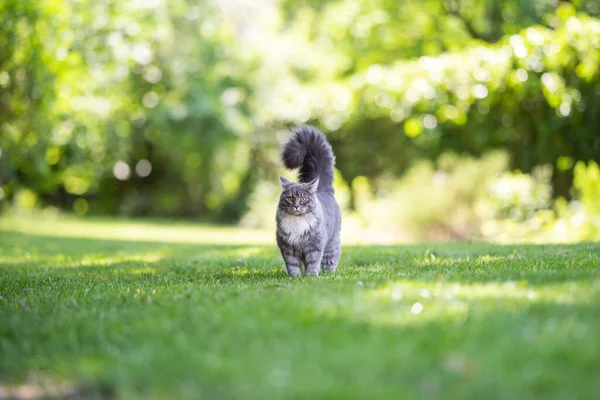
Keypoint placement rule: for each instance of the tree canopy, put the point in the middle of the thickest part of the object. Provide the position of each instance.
(178, 107)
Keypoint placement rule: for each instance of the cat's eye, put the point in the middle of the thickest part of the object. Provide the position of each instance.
(290, 199)
(303, 199)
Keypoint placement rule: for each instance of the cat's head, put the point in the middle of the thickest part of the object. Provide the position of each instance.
(298, 198)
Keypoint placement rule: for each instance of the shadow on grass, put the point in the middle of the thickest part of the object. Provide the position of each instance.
(331, 355)
(51, 390)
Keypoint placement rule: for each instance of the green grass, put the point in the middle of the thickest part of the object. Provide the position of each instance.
(178, 317)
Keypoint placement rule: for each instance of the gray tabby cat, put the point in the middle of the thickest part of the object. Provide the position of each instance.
(308, 217)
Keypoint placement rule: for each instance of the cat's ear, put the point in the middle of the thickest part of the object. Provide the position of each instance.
(313, 185)
(284, 182)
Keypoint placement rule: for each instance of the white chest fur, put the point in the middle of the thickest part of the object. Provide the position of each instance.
(295, 227)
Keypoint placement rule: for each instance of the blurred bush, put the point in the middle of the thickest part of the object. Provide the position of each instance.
(457, 198)
(561, 220)
(441, 200)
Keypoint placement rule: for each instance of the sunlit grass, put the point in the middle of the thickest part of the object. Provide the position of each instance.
(132, 317)
(57, 225)
(140, 231)
(409, 302)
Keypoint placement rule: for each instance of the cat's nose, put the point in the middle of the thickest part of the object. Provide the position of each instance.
(296, 207)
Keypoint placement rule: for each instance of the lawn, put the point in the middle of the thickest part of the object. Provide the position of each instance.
(105, 309)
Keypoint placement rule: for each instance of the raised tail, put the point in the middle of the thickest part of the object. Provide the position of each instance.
(309, 150)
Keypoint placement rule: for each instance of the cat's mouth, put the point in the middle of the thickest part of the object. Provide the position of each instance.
(294, 212)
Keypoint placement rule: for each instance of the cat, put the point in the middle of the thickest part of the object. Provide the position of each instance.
(308, 216)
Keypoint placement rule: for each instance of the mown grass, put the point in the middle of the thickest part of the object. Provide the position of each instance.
(179, 317)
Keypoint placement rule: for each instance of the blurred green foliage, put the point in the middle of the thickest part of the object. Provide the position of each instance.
(545, 220)
(458, 198)
(534, 93)
(178, 108)
(87, 84)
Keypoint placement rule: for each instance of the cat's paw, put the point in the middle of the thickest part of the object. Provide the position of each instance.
(294, 273)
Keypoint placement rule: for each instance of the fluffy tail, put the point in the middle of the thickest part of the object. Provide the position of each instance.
(308, 149)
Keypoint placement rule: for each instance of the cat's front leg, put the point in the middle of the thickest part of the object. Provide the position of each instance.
(293, 264)
(312, 262)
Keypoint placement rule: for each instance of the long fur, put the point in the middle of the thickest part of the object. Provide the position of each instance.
(308, 216)
(309, 150)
